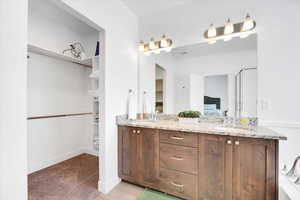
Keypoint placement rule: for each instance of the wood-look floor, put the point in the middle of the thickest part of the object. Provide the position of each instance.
(75, 179)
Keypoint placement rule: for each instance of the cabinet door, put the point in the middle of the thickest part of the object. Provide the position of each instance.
(149, 156)
(128, 157)
(214, 167)
(254, 169)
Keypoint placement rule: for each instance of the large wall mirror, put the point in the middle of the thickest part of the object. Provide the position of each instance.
(216, 79)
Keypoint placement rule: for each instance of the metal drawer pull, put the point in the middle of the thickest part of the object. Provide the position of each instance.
(177, 185)
(229, 142)
(176, 158)
(177, 138)
(237, 142)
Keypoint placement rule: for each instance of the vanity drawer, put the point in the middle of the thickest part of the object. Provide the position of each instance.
(179, 158)
(178, 184)
(180, 138)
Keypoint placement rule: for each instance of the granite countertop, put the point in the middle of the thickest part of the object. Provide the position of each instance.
(209, 128)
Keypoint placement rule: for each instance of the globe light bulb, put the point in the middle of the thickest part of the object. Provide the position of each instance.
(141, 46)
(164, 42)
(228, 27)
(152, 44)
(211, 32)
(248, 23)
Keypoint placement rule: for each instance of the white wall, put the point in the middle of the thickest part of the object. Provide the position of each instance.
(275, 48)
(217, 87)
(56, 87)
(13, 83)
(249, 93)
(196, 92)
(119, 74)
(278, 52)
(147, 79)
(214, 64)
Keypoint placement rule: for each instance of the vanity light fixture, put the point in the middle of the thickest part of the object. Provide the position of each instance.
(248, 23)
(156, 47)
(153, 44)
(230, 30)
(228, 27)
(211, 32)
(141, 46)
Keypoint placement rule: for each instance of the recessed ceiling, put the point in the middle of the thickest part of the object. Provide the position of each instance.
(146, 7)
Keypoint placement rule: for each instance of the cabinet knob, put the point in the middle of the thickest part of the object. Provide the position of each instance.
(229, 142)
(237, 142)
(133, 131)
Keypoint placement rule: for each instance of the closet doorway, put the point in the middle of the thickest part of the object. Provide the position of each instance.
(160, 84)
(65, 69)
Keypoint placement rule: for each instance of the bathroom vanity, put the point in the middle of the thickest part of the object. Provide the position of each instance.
(200, 161)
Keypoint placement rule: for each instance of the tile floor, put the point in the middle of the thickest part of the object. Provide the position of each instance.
(75, 179)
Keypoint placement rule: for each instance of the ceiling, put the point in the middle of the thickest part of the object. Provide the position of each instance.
(204, 49)
(146, 7)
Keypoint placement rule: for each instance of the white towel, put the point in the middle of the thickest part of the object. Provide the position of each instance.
(131, 105)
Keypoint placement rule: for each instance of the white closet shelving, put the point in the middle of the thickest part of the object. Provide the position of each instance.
(42, 51)
(95, 92)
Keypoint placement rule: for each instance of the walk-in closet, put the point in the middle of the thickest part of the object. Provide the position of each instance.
(65, 56)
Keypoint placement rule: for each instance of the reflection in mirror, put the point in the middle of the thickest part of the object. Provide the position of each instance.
(159, 88)
(217, 80)
(216, 95)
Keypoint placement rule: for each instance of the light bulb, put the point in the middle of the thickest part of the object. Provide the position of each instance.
(228, 27)
(211, 32)
(248, 23)
(141, 46)
(164, 42)
(152, 44)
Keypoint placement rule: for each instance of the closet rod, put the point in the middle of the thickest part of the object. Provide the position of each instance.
(57, 116)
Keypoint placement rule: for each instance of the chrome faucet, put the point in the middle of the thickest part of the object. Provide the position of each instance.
(154, 116)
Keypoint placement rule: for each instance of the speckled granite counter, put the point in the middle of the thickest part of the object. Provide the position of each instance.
(209, 128)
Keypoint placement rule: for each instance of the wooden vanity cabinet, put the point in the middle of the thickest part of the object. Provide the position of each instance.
(149, 157)
(233, 168)
(127, 154)
(254, 169)
(138, 155)
(214, 168)
(199, 166)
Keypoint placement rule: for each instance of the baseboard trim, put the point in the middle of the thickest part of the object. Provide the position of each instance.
(44, 164)
(91, 152)
(280, 124)
(106, 187)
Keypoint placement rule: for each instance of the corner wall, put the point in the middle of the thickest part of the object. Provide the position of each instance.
(13, 86)
(119, 74)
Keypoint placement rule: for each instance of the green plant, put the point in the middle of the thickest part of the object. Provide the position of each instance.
(189, 114)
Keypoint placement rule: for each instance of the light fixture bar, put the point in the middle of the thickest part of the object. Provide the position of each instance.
(237, 32)
(156, 47)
